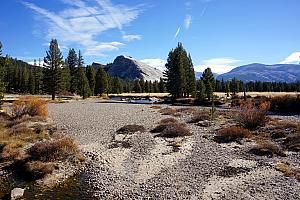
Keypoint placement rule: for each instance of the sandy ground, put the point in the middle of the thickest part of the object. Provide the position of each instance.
(150, 169)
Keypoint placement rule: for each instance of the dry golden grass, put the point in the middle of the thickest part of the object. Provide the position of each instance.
(155, 107)
(255, 94)
(288, 170)
(32, 106)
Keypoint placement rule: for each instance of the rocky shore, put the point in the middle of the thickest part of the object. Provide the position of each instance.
(141, 166)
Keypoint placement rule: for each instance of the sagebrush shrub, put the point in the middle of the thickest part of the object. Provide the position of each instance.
(251, 117)
(231, 134)
(53, 150)
(200, 116)
(32, 106)
(286, 103)
(292, 142)
(34, 170)
(267, 148)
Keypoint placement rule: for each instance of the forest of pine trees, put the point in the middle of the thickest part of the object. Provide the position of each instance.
(57, 76)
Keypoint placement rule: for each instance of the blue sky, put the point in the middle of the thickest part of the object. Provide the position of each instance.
(220, 34)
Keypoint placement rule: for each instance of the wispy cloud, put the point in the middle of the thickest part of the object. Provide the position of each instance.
(177, 33)
(130, 38)
(218, 65)
(187, 21)
(294, 58)
(80, 23)
(156, 63)
(100, 48)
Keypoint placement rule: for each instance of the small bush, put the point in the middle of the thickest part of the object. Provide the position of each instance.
(288, 170)
(168, 111)
(200, 116)
(163, 124)
(32, 106)
(267, 148)
(285, 103)
(58, 149)
(36, 169)
(251, 117)
(174, 130)
(19, 129)
(168, 121)
(12, 154)
(231, 134)
(292, 142)
(130, 129)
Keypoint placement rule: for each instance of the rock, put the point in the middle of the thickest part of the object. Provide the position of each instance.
(128, 68)
(17, 193)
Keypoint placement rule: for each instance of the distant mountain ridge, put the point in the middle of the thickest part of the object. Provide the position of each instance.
(127, 67)
(266, 73)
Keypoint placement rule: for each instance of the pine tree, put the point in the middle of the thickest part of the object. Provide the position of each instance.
(91, 75)
(191, 79)
(137, 87)
(200, 90)
(162, 88)
(209, 82)
(83, 86)
(65, 79)
(179, 73)
(155, 87)
(53, 62)
(102, 82)
(2, 85)
(31, 82)
(146, 87)
(142, 84)
(72, 61)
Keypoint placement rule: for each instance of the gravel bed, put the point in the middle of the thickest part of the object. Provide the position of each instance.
(151, 169)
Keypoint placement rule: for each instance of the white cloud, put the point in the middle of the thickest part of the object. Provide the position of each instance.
(156, 63)
(103, 47)
(218, 65)
(294, 58)
(177, 33)
(80, 23)
(187, 21)
(130, 38)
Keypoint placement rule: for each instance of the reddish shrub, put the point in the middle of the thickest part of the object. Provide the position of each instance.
(285, 103)
(251, 117)
(231, 134)
(53, 150)
(267, 148)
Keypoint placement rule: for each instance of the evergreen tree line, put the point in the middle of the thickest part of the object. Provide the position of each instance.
(70, 76)
(57, 76)
(235, 86)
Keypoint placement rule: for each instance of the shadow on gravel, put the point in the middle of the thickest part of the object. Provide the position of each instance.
(229, 171)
